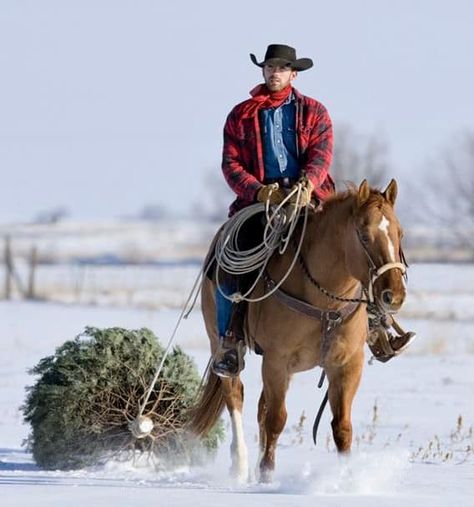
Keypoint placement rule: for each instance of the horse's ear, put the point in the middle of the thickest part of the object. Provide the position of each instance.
(390, 193)
(363, 194)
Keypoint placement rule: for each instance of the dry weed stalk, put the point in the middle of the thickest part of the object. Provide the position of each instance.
(458, 448)
(298, 429)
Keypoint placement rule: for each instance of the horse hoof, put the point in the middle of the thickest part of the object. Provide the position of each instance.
(239, 475)
(265, 476)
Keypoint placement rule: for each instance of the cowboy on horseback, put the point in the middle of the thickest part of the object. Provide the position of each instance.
(277, 139)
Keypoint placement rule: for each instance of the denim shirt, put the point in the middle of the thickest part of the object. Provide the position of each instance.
(278, 126)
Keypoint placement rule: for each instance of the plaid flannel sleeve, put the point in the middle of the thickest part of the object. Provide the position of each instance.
(319, 152)
(240, 180)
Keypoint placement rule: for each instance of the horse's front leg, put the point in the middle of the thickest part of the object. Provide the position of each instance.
(234, 398)
(343, 383)
(272, 413)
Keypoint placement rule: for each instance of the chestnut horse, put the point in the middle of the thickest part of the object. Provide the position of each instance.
(353, 243)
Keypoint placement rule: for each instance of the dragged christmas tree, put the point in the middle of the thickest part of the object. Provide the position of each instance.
(85, 404)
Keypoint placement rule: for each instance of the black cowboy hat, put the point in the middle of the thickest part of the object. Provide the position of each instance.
(279, 54)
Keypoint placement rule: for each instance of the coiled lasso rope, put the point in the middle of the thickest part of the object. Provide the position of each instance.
(280, 225)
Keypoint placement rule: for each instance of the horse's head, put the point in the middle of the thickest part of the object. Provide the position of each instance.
(375, 255)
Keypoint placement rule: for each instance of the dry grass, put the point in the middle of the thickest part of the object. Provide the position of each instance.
(457, 448)
(299, 431)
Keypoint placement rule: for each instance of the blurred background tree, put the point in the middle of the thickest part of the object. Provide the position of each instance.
(216, 197)
(359, 156)
(52, 216)
(447, 196)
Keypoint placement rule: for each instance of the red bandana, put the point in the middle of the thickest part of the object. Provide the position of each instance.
(263, 98)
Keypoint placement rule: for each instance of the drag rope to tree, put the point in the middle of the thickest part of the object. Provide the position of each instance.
(281, 222)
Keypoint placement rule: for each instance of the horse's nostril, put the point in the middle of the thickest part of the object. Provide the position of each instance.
(387, 297)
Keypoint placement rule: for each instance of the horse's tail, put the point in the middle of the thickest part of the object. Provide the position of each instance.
(209, 406)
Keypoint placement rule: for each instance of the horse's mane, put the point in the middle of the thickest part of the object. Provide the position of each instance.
(342, 195)
(375, 199)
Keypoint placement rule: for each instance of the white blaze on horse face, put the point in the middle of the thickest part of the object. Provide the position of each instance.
(238, 448)
(383, 226)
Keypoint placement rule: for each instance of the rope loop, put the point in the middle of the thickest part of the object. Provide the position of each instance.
(280, 223)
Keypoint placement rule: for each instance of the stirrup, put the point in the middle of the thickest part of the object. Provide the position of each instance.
(384, 344)
(228, 359)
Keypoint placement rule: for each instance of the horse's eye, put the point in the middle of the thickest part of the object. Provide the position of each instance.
(364, 237)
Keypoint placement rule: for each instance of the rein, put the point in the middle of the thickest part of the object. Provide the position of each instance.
(330, 295)
(374, 274)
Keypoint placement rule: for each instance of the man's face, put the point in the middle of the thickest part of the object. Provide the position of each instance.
(276, 77)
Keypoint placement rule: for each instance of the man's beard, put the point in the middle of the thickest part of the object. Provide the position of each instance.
(275, 85)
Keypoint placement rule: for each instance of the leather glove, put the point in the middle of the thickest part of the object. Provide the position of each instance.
(305, 194)
(272, 193)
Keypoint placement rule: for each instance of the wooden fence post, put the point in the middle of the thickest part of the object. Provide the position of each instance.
(11, 275)
(8, 268)
(33, 262)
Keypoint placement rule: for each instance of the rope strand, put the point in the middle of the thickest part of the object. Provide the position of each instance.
(186, 310)
(280, 225)
(281, 222)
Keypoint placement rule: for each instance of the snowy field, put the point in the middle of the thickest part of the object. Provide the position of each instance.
(413, 417)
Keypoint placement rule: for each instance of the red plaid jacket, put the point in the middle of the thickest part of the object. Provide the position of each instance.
(242, 158)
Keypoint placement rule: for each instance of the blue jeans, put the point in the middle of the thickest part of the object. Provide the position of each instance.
(224, 307)
(250, 236)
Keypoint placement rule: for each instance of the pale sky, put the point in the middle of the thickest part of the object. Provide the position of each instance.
(106, 106)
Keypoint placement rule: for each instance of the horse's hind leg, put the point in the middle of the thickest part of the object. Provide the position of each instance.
(234, 397)
(262, 441)
(343, 383)
(272, 414)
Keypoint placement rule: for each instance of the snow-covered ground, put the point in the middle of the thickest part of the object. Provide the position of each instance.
(413, 417)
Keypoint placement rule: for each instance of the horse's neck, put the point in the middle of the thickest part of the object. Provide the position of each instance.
(325, 248)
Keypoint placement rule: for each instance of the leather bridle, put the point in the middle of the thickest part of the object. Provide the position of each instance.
(375, 273)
